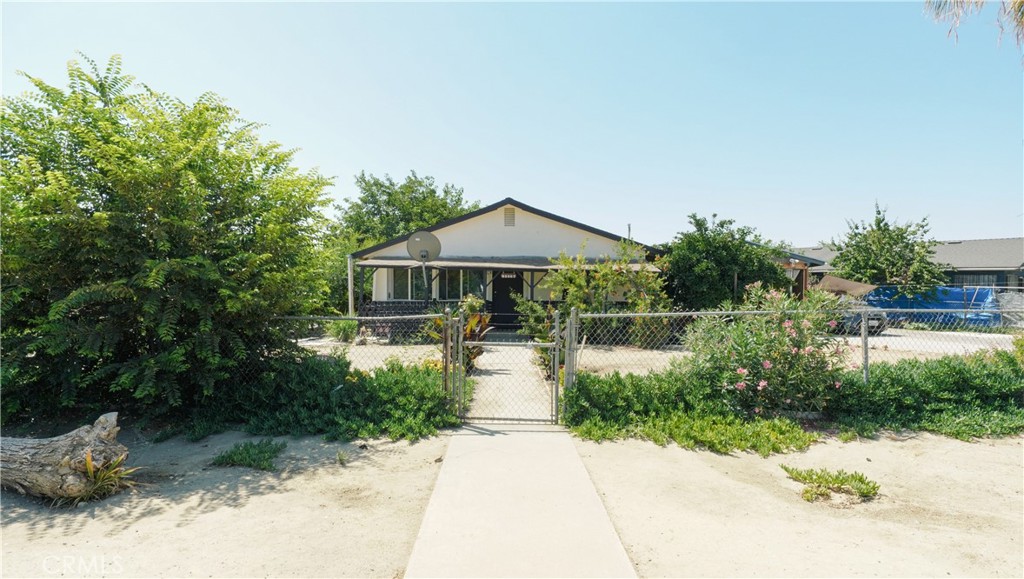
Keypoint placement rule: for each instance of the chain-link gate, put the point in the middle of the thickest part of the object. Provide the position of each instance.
(501, 377)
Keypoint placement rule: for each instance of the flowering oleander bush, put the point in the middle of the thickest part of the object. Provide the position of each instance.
(770, 363)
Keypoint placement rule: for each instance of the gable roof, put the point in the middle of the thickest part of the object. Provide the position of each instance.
(810, 261)
(1005, 253)
(508, 201)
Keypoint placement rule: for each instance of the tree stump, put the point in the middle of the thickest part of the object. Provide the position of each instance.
(55, 467)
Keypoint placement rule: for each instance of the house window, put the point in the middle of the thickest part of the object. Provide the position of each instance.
(473, 282)
(510, 217)
(975, 279)
(419, 291)
(400, 284)
(452, 285)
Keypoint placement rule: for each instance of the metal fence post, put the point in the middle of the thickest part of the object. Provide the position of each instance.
(446, 354)
(555, 361)
(864, 342)
(459, 369)
(570, 349)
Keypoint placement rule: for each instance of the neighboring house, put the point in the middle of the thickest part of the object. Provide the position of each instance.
(972, 262)
(493, 252)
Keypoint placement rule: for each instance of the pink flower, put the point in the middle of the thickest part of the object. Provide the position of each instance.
(762, 384)
(808, 349)
(788, 400)
(740, 385)
(791, 332)
(806, 323)
(787, 324)
(767, 364)
(839, 385)
(794, 351)
(741, 371)
(757, 410)
(832, 323)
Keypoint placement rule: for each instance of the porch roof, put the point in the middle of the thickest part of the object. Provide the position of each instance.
(525, 263)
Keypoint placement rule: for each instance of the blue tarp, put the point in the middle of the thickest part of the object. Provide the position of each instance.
(978, 306)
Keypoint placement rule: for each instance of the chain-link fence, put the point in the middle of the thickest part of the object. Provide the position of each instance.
(371, 342)
(650, 342)
(502, 376)
(488, 376)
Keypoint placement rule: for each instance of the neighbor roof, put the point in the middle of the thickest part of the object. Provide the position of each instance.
(963, 255)
(494, 206)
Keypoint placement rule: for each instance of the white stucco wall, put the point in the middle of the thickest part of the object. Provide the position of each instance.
(487, 236)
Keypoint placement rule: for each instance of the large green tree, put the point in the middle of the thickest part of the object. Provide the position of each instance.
(886, 253)
(147, 243)
(715, 261)
(386, 209)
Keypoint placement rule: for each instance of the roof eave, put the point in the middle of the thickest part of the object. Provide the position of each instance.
(651, 250)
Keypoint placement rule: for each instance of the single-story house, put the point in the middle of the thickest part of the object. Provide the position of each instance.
(493, 252)
(972, 262)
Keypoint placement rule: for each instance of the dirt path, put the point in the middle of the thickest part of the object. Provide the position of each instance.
(946, 508)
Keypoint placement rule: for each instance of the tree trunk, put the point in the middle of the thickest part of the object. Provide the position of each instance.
(55, 467)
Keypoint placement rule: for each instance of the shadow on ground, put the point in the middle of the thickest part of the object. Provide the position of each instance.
(177, 472)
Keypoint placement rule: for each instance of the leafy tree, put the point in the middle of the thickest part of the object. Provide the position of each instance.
(1011, 14)
(609, 284)
(884, 253)
(386, 209)
(597, 286)
(338, 244)
(715, 261)
(147, 243)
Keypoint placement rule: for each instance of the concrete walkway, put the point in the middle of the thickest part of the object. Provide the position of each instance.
(516, 501)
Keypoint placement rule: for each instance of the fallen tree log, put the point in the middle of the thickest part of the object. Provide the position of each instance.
(56, 467)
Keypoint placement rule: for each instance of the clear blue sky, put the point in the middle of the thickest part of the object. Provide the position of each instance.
(789, 118)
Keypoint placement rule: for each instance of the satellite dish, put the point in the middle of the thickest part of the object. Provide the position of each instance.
(423, 246)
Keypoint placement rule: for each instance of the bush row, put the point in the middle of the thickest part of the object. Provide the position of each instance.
(960, 396)
(325, 395)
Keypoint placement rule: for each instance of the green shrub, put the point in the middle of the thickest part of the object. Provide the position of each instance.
(718, 433)
(771, 363)
(620, 400)
(821, 483)
(343, 330)
(258, 455)
(475, 328)
(624, 400)
(147, 243)
(666, 407)
(960, 396)
(319, 395)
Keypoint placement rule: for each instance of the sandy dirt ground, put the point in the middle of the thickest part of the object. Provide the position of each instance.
(898, 344)
(313, 518)
(891, 346)
(370, 356)
(945, 508)
(627, 359)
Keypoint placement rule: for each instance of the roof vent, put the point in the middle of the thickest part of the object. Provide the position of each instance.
(510, 217)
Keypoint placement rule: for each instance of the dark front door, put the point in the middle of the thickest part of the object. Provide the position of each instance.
(503, 308)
